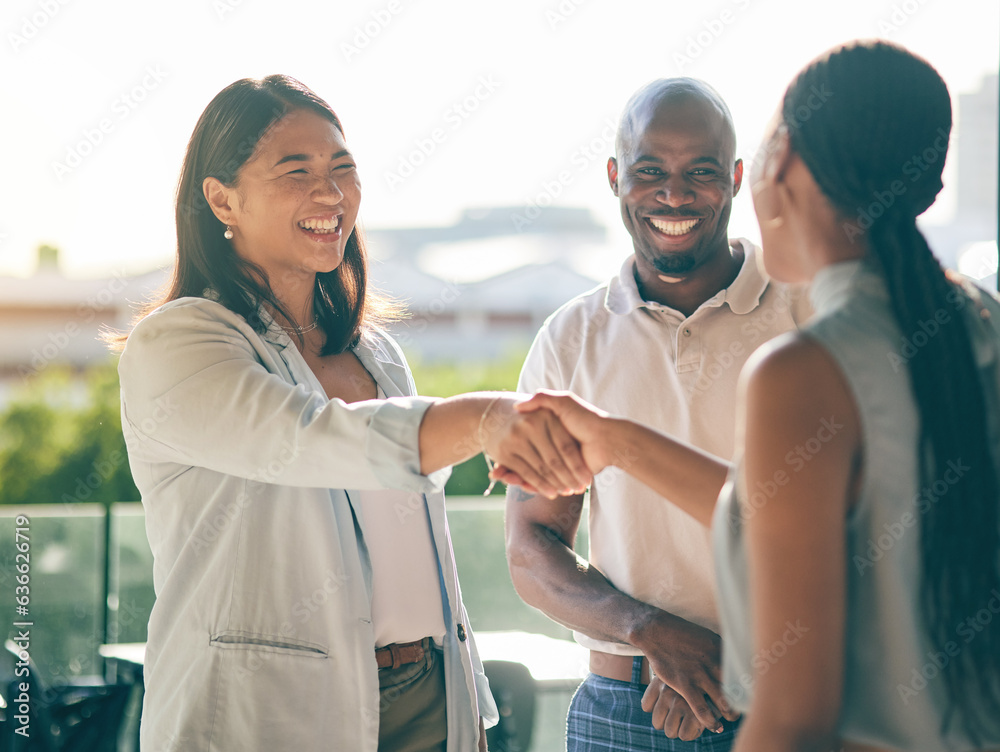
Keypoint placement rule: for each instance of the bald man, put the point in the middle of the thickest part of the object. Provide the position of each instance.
(661, 343)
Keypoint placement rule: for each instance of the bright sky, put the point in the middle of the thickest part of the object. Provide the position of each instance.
(447, 104)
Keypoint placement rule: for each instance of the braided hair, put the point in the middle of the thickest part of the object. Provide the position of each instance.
(871, 122)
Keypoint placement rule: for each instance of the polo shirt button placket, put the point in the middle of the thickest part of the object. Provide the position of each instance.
(688, 350)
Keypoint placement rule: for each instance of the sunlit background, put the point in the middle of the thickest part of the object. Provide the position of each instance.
(524, 91)
(481, 132)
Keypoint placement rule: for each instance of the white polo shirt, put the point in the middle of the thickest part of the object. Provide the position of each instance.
(648, 362)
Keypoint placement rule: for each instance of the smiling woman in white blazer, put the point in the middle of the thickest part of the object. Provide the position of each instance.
(266, 415)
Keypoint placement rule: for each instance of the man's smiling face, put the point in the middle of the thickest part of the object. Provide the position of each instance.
(675, 178)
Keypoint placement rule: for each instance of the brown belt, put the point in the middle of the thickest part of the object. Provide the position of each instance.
(396, 655)
(617, 667)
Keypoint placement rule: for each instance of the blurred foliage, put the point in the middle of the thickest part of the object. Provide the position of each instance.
(448, 379)
(61, 440)
(48, 257)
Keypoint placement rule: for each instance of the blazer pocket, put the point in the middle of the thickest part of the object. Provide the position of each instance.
(235, 640)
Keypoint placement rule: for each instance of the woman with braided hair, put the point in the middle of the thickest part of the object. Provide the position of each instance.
(857, 537)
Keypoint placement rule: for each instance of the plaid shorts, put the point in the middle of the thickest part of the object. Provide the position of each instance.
(606, 715)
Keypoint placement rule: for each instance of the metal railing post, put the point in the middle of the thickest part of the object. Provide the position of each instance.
(106, 583)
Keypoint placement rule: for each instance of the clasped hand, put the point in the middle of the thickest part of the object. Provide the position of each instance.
(551, 444)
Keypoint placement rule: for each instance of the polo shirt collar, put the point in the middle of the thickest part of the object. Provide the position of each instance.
(742, 296)
(623, 293)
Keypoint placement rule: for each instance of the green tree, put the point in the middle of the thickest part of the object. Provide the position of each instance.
(61, 440)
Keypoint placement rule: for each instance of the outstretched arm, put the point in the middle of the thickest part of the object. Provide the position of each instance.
(685, 475)
(195, 392)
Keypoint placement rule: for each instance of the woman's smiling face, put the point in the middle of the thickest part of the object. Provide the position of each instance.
(295, 201)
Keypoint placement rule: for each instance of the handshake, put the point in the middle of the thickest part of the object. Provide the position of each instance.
(550, 444)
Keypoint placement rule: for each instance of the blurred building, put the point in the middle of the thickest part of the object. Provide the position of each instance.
(481, 288)
(476, 290)
(49, 319)
(969, 241)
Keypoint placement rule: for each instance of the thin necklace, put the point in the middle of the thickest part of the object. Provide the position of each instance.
(300, 330)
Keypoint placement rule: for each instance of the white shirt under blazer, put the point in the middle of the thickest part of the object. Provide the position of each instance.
(261, 635)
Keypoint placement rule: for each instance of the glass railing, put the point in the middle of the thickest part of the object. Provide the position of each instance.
(62, 608)
(89, 582)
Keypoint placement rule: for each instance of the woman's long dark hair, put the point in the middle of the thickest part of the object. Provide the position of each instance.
(225, 137)
(871, 121)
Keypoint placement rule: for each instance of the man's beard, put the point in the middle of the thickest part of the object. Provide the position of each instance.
(674, 263)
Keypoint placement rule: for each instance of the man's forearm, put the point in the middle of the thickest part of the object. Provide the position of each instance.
(550, 576)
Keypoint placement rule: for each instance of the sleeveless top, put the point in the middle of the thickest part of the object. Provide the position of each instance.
(893, 695)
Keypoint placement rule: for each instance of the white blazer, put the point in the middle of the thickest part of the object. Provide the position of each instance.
(261, 637)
